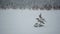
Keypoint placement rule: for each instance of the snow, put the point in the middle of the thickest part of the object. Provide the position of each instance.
(21, 21)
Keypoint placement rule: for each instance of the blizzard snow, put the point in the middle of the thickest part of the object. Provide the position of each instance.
(16, 21)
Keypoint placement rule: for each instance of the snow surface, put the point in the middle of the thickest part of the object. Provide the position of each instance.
(16, 21)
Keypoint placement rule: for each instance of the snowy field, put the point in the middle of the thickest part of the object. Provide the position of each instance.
(16, 21)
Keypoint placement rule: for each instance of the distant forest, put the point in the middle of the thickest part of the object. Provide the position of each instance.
(34, 4)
